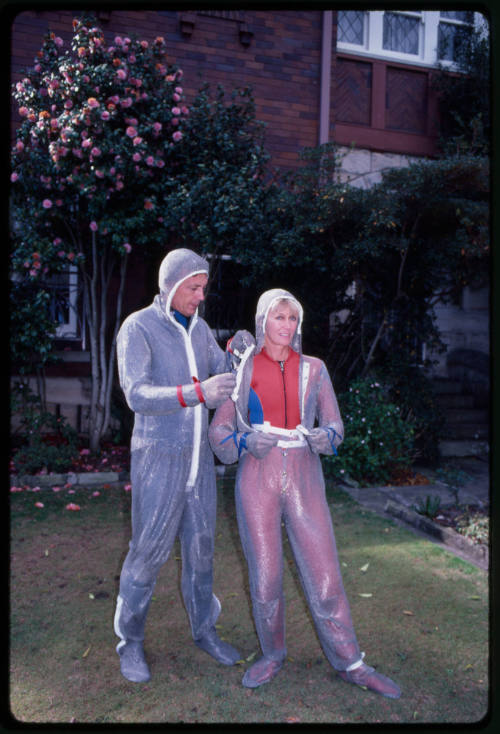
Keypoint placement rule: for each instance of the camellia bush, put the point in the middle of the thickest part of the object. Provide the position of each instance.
(100, 126)
(378, 440)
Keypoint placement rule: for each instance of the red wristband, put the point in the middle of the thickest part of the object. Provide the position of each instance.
(179, 396)
(198, 389)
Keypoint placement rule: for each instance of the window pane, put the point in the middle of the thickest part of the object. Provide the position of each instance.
(465, 16)
(450, 40)
(351, 26)
(401, 33)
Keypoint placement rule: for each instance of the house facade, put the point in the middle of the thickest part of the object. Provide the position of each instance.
(360, 79)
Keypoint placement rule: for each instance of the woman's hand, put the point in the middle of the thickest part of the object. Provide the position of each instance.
(260, 444)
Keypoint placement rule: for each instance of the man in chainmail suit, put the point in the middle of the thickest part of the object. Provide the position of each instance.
(172, 371)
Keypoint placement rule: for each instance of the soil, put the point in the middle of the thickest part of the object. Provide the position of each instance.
(455, 517)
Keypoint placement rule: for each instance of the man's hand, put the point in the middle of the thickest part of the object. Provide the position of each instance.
(260, 444)
(218, 388)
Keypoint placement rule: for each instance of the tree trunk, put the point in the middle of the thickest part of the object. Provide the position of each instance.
(102, 352)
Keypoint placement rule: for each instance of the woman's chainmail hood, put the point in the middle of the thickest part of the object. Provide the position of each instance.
(265, 304)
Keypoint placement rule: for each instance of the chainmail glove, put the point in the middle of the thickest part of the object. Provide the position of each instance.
(260, 444)
(318, 441)
(240, 342)
(218, 388)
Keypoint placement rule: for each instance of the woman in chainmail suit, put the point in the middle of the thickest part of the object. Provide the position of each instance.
(269, 425)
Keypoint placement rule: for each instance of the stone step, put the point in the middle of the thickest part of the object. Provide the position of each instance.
(446, 386)
(452, 400)
(469, 415)
(472, 431)
(463, 448)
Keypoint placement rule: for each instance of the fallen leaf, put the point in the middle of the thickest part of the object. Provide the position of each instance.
(364, 568)
(407, 611)
(86, 651)
(365, 595)
(468, 667)
(292, 720)
(251, 657)
(91, 596)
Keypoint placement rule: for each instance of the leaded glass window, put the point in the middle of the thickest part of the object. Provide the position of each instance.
(351, 26)
(401, 33)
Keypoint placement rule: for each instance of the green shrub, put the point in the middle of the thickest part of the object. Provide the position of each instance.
(429, 506)
(377, 439)
(48, 443)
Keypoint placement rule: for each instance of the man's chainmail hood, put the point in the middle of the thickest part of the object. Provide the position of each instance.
(265, 303)
(176, 267)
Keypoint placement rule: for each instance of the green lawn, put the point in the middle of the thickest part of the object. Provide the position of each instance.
(421, 616)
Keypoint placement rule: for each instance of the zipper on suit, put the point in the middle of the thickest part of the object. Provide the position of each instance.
(282, 368)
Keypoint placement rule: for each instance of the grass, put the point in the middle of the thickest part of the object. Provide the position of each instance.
(420, 613)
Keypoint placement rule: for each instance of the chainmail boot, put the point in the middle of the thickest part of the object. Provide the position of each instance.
(367, 677)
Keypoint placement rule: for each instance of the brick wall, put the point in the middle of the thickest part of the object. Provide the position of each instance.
(277, 53)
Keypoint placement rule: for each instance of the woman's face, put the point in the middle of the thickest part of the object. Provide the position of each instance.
(281, 325)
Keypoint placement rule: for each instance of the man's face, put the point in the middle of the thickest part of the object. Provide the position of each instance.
(190, 294)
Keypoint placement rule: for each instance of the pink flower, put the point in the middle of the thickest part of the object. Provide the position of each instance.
(127, 487)
(177, 136)
(121, 74)
(150, 160)
(99, 173)
(118, 40)
(92, 102)
(119, 185)
(174, 121)
(127, 247)
(179, 90)
(87, 143)
(14, 177)
(19, 146)
(39, 504)
(61, 253)
(160, 163)
(58, 41)
(71, 256)
(148, 204)
(72, 506)
(16, 489)
(46, 203)
(176, 97)
(131, 131)
(96, 151)
(105, 115)
(93, 226)
(157, 127)
(176, 111)
(95, 494)
(127, 102)
(137, 140)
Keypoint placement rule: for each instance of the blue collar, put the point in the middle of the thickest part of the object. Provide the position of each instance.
(183, 320)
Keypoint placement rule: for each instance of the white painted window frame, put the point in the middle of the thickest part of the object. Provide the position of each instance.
(428, 37)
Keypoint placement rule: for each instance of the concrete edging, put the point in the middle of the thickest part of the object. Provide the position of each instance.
(444, 535)
(82, 479)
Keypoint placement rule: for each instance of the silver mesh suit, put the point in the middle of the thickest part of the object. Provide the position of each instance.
(172, 468)
(287, 486)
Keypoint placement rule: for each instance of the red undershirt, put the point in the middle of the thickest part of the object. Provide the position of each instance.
(278, 390)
